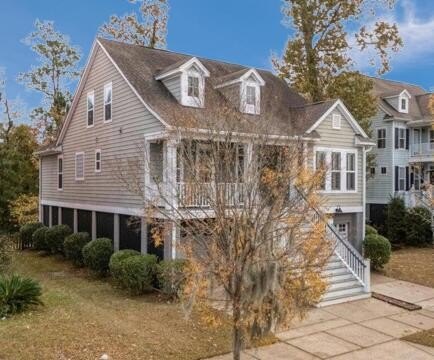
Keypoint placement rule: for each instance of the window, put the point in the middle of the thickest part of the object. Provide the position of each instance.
(381, 138)
(372, 171)
(431, 139)
(403, 104)
(383, 170)
(97, 161)
(402, 138)
(79, 166)
(193, 86)
(108, 98)
(320, 164)
(251, 95)
(60, 172)
(401, 178)
(336, 121)
(336, 170)
(90, 108)
(351, 172)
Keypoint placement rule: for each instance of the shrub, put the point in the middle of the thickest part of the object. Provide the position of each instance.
(73, 247)
(117, 258)
(418, 227)
(24, 209)
(26, 232)
(137, 273)
(96, 255)
(370, 230)
(378, 249)
(170, 276)
(5, 253)
(55, 237)
(395, 224)
(39, 239)
(17, 294)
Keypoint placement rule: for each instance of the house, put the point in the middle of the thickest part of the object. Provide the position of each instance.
(404, 133)
(130, 96)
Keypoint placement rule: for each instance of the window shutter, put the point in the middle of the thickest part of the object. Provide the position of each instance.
(396, 138)
(407, 138)
(396, 178)
(407, 179)
(411, 179)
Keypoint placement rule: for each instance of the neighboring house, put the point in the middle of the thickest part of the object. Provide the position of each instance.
(129, 98)
(404, 133)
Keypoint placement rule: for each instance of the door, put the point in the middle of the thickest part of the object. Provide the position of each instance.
(343, 230)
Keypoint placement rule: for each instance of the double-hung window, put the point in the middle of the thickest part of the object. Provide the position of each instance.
(401, 178)
(108, 98)
(336, 121)
(98, 161)
(381, 138)
(60, 172)
(320, 164)
(250, 95)
(336, 171)
(79, 166)
(351, 171)
(90, 108)
(193, 86)
(400, 138)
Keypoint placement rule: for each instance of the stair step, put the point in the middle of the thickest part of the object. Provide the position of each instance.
(340, 278)
(341, 299)
(344, 292)
(335, 265)
(342, 285)
(336, 272)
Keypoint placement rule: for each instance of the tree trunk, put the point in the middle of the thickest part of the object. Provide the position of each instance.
(237, 341)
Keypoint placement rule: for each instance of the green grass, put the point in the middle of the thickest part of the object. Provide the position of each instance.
(84, 317)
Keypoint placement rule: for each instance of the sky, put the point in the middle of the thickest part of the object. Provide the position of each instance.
(240, 31)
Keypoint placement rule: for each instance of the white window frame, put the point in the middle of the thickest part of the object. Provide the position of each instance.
(336, 171)
(345, 227)
(403, 179)
(328, 177)
(90, 94)
(98, 151)
(60, 173)
(407, 102)
(106, 87)
(381, 170)
(250, 108)
(382, 138)
(350, 171)
(193, 77)
(76, 155)
(401, 130)
(336, 121)
(192, 101)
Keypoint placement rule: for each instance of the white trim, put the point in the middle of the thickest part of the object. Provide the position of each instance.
(354, 124)
(336, 121)
(60, 173)
(99, 208)
(399, 138)
(345, 209)
(106, 87)
(248, 108)
(131, 86)
(92, 95)
(98, 151)
(243, 78)
(385, 174)
(385, 137)
(184, 67)
(76, 154)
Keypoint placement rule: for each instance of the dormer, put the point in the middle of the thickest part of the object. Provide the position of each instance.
(248, 83)
(186, 82)
(401, 101)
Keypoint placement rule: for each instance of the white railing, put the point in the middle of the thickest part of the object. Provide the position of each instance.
(203, 194)
(418, 149)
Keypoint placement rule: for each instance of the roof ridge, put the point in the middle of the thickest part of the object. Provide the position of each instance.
(401, 82)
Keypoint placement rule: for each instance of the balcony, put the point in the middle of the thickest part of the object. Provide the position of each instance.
(422, 151)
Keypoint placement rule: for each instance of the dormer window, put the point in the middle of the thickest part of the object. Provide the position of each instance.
(193, 86)
(250, 95)
(404, 103)
(249, 99)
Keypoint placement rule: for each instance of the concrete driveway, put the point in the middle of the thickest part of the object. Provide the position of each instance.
(366, 329)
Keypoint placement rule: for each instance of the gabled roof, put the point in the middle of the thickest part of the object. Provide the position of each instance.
(239, 76)
(181, 66)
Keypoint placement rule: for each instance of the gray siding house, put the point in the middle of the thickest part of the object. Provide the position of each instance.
(404, 134)
(127, 104)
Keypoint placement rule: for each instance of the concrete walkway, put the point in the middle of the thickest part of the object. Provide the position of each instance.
(364, 329)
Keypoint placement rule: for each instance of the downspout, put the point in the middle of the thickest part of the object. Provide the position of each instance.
(365, 150)
(40, 190)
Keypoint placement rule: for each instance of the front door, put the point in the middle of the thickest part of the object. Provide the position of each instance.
(343, 230)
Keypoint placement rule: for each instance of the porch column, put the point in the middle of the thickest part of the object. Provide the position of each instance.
(93, 225)
(144, 236)
(59, 211)
(50, 216)
(171, 236)
(116, 232)
(75, 221)
(169, 162)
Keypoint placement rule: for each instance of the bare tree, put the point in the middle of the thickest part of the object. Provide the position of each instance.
(243, 203)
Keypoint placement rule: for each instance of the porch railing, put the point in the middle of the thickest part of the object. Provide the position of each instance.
(203, 194)
(426, 148)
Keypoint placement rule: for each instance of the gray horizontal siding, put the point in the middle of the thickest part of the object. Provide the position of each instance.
(120, 141)
(174, 86)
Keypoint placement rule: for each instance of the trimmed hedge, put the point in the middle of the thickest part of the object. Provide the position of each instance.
(117, 258)
(26, 232)
(39, 239)
(378, 249)
(370, 230)
(73, 247)
(137, 273)
(55, 236)
(96, 255)
(170, 276)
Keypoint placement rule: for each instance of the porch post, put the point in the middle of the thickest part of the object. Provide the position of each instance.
(116, 232)
(50, 216)
(170, 152)
(60, 215)
(75, 221)
(93, 225)
(144, 236)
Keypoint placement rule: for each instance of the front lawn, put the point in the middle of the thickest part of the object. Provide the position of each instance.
(84, 317)
(412, 264)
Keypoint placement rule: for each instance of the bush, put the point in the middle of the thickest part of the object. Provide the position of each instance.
(26, 232)
(117, 258)
(137, 273)
(370, 230)
(24, 209)
(395, 224)
(17, 294)
(418, 227)
(170, 276)
(378, 249)
(39, 239)
(55, 237)
(73, 247)
(96, 255)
